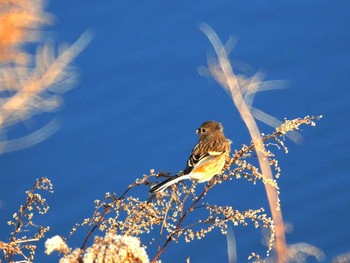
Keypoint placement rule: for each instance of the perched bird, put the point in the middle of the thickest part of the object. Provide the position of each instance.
(207, 159)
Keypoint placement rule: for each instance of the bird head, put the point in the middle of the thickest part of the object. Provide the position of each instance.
(209, 128)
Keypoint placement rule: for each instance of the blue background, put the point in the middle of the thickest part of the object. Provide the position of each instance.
(140, 99)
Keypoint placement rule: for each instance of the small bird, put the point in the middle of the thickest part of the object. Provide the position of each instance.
(207, 159)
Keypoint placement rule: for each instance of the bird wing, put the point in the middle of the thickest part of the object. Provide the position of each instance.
(204, 151)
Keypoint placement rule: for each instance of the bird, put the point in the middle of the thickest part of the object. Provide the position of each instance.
(207, 159)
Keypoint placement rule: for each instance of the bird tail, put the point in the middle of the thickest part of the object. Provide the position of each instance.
(169, 182)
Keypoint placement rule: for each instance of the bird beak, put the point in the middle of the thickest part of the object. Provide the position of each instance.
(197, 131)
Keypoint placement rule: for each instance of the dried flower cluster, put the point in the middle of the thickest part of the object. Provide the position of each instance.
(56, 243)
(111, 248)
(20, 245)
(116, 248)
(173, 214)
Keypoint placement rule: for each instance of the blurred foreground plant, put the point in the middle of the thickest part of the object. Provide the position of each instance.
(31, 84)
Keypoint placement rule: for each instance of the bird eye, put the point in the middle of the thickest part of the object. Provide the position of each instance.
(203, 130)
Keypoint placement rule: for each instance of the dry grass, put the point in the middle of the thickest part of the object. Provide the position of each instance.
(173, 214)
(21, 247)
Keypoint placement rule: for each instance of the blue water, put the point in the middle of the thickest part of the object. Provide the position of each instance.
(140, 99)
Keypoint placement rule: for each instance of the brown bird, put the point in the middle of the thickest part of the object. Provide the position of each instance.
(207, 159)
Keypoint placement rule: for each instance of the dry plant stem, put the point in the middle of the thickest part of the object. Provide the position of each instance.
(231, 161)
(20, 222)
(192, 206)
(228, 79)
(23, 224)
(105, 212)
(251, 147)
(19, 226)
